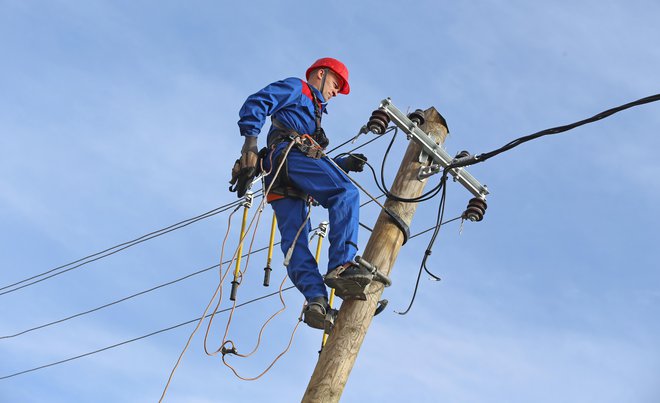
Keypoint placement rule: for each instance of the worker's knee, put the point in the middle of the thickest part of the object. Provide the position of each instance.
(351, 193)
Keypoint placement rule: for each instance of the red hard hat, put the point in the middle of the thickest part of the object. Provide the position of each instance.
(336, 66)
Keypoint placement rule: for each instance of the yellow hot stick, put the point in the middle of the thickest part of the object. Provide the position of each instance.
(271, 242)
(240, 245)
(332, 299)
(234, 284)
(323, 227)
(318, 248)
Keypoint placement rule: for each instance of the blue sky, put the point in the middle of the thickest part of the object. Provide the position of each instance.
(119, 118)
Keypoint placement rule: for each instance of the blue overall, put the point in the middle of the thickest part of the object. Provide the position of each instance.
(291, 102)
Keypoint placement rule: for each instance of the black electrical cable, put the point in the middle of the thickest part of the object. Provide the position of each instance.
(427, 253)
(141, 337)
(383, 187)
(475, 159)
(121, 247)
(471, 160)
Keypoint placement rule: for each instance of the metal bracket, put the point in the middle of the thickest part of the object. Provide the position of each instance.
(433, 150)
(428, 171)
(323, 229)
(249, 197)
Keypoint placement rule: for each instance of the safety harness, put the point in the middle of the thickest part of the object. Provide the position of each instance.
(310, 145)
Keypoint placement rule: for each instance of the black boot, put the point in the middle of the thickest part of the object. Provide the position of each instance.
(318, 313)
(349, 281)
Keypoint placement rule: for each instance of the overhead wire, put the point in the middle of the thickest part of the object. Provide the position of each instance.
(115, 249)
(177, 325)
(177, 280)
(470, 161)
(187, 222)
(140, 337)
(476, 159)
(154, 234)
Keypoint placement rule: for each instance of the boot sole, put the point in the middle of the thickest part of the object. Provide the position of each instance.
(314, 319)
(349, 289)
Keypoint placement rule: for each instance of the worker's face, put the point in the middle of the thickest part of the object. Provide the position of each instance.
(333, 83)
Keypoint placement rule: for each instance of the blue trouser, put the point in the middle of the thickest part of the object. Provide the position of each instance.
(329, 186)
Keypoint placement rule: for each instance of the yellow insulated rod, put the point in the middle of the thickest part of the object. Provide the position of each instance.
(322, 232)
(271, 242)
(234, 284)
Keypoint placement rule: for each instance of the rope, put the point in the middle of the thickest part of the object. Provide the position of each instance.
(295, 329)
(218, 289)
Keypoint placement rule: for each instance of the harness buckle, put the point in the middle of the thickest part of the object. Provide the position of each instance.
(306, 144)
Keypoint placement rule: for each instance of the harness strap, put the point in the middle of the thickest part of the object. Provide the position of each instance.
(308, 144)
(282, 186)
(317, 107)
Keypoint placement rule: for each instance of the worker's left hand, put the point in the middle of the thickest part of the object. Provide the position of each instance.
(355, 162)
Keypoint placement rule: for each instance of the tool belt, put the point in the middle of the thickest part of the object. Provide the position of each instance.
(310, 145)
(282, 186)
(306, 144)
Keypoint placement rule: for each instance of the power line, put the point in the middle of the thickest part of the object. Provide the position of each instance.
(128, 297)
(187, 276)
(117, 248)
(141, 337)
(471, 160)
(462, 162)
(170, 327)
(476, 159)
(435, 226)
(125, 245)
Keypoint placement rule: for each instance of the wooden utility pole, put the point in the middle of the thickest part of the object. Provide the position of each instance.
(340, 352)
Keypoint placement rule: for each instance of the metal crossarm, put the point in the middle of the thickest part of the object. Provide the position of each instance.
(433, 150)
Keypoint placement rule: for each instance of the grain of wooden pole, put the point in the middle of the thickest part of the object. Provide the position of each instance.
(340, 352)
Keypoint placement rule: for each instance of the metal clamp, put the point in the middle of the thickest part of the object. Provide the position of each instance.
(322, 231)
(249, 197)
(439, 156)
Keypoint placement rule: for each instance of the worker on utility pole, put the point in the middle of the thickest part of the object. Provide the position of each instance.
(296, 108)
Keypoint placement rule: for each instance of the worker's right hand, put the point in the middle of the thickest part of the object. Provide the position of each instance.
(249, 153)
(248, 160)
(245, 168)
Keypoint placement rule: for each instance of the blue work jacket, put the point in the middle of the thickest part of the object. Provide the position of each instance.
(289, 100)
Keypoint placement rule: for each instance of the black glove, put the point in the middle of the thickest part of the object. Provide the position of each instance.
(355, 162)
(245, 168)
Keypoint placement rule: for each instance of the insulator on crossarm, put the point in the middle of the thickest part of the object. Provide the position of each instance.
(417, 116)
(476, 209)
(378, 121)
